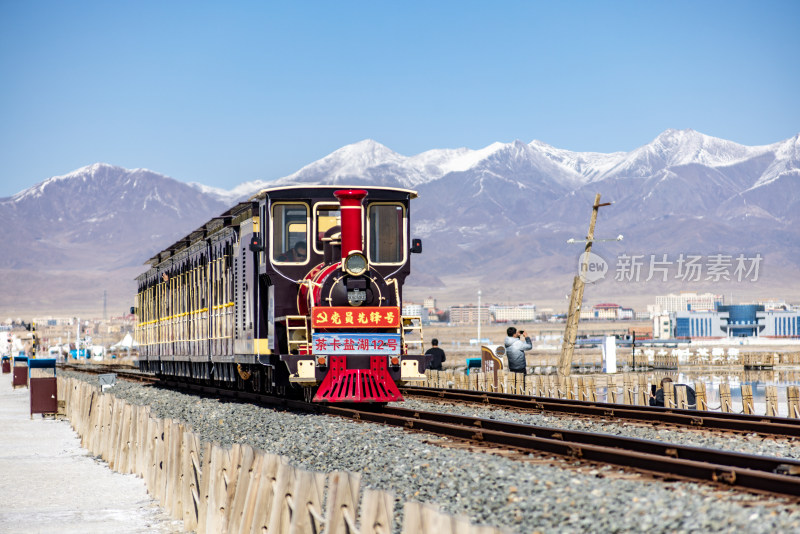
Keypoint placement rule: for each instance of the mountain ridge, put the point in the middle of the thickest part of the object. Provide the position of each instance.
(499, 214)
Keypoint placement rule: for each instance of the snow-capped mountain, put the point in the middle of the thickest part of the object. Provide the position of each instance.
(70, 237)
(501, 213)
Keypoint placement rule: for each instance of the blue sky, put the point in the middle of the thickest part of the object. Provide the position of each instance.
(226, 92)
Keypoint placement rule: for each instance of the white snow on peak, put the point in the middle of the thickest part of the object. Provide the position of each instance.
(352, 160)
(786, 162)
(670, 148)
(681, 147)
(38, 189)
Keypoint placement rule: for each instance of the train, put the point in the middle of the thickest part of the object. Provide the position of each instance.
(295, 292)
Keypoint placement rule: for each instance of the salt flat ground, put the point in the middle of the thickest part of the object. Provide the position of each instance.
(50, 484)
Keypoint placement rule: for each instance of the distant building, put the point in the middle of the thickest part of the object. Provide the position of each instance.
(429, 304)
(506, 313)
(664, 326)
(741, 320)
(604, 310)
(416, 310)
(625, 314)
(774, 304)
(687, 301)
(468, 314)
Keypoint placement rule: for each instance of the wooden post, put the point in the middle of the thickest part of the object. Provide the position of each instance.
(162, 447)
(190, 480)
(124, 444)
(700, 396)
(282, 501)
(141, 442)
(377, 510)
(669, 395)
(308, 495)
(245, 478)
(772, 401)
(747, 398)
(681, 398)
(172, 458)
(725, 398)
(207, 474)
(217, 492)
(528, 384)
(590, 393)
(233, 467)
(571, 328)
(118, 409)
(343, 491)
(613, 392)
(267, 481)
(793, 401)
(627, 389)
(246, 522)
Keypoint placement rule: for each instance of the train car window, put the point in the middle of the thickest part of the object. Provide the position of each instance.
(326, 216)
(386, 234)
(290, 232)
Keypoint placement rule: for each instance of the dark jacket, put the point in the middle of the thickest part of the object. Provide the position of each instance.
(436, 359)
(515, 348)
(691, 399)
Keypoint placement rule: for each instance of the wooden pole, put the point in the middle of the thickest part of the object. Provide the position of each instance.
(571, 329)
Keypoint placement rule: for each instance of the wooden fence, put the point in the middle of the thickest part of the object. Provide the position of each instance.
(216, 490)
(621, 389)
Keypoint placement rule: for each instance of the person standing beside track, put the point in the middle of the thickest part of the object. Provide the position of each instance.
(515, 350)
(437, 355)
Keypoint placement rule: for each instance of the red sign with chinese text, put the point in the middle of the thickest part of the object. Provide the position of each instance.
(361, 317)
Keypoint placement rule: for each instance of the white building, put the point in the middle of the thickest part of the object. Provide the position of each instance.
(505, 313)
(663, 326)
(412, 310)
(687, 301)
(468, 314)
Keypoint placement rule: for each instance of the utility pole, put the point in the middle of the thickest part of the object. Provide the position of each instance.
(571, 330)
(479, 318)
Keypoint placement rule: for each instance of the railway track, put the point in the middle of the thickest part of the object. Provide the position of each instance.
(756, 424)
(762, 474)
(125, 373)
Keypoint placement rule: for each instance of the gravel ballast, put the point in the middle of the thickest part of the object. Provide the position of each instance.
(521, 496)
(726, 441)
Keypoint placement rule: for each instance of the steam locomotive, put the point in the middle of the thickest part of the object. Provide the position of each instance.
(295, 292)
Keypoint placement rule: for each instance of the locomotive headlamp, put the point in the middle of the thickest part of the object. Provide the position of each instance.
(355, 264)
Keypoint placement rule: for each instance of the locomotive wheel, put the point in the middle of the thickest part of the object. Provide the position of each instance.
(257, 380)
(269, 381)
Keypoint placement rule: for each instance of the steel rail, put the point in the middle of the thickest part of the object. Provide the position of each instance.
(751, 472)
(761, 473)
(764, 425)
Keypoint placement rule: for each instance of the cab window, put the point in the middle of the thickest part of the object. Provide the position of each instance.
(326, 216)
(386, 233)
(289, 241)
